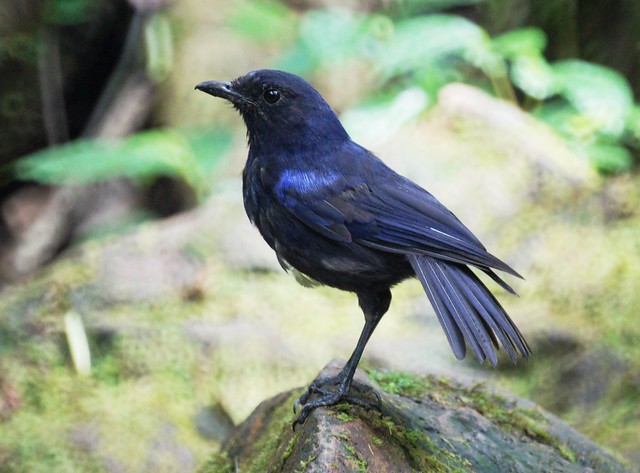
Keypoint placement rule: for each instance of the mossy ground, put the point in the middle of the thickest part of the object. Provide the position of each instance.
(150, 365)
(147, 372)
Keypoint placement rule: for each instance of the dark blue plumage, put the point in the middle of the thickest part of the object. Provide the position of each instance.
(336, 213)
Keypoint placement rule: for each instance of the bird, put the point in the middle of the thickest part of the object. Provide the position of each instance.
(337, 215)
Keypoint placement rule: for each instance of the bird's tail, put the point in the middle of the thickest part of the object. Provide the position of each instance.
(467, 310)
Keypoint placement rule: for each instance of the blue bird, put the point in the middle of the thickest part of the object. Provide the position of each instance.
(334, 212)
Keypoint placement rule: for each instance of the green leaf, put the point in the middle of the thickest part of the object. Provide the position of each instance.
(609, 158)
(298, 60)
(419, 43)
(263, 20)
(414, 7)
(597, 92)
(144, 155)
(633, 127)
(522, 42)
(534, 76)
(331, 36)
(65, 12)
(373, 122)
(432, 80)
(529, 70)
(327, 37)
(603, 152)
(566, 120)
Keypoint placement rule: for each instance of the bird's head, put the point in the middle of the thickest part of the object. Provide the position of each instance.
(280, 107)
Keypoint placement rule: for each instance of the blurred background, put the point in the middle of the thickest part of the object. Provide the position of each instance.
(141, 316)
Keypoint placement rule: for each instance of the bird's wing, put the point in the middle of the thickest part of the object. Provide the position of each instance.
(392, 215)
(398, 216)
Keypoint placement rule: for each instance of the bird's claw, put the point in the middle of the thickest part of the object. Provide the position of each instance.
(314, 388)
(331, 398)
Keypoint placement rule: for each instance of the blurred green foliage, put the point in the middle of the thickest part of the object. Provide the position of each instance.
(143, 156)
(263, 20)
(65, 12)
(591, 105)
(409, 46)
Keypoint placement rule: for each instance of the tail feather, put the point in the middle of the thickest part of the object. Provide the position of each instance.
(463, 315)
(499, 281)
(468, 311)
(451, 329)
(493, 314)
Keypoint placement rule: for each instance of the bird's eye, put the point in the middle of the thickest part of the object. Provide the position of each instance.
(271, 95)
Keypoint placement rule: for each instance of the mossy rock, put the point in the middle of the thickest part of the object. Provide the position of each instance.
(425, 423)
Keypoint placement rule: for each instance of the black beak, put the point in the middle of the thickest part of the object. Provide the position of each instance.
(221, 89)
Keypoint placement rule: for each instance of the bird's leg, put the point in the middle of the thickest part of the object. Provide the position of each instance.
(346, 373)
(374, 307)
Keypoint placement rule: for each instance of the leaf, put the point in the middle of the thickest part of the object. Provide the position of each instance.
(597, 92)
(374, 122)
(564, 118)
(609, 158)
(420, 42)
(603, 152)
(534, 76)
(332, 35)
(529, 70)
(521, 42)
(633, 127)
(327, 37)
(65, 12)
(78, 343)
(263, 20)
(414, 7)
(144, 155)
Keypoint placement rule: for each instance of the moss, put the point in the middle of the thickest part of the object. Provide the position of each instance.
(274, 446)
(401, 383)
(424, 454)
(503, 413)
(566, 452)
(289, 450)
(304, 464)
(344, 413)
(274, 442)
(358, 461)
(218, 463)
(507, 415)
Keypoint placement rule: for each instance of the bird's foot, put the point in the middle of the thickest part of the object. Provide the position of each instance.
(329, 397)
(315, 387)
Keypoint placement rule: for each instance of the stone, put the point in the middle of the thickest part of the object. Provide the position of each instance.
(425, 423)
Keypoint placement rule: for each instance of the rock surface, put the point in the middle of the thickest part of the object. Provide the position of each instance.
(424, 424)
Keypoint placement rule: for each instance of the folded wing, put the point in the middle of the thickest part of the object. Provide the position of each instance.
(398, 216)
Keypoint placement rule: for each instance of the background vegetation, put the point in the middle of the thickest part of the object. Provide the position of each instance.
(122, 246)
